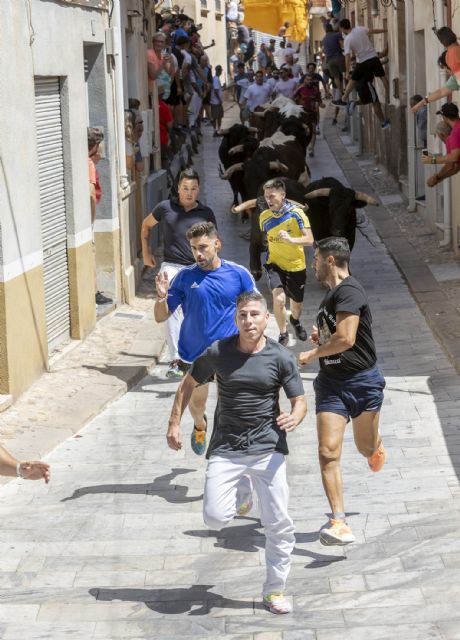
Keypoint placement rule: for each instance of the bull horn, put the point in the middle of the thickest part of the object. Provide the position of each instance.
(244, 206)
(276, 165)
(318, 193)
(260, 114)
(231, 170)
(359, 195)
(237, 149)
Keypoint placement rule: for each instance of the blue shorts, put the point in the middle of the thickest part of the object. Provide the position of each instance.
(349, 397)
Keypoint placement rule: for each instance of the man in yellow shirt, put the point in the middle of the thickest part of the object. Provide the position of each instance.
(288, 231)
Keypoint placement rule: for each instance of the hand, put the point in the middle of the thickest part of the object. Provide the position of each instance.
(174, 437)
(285, 422)
(314, 335)
(432, 181)
(306, 357)
(166, 58)
(426, 159)
(418, 106)
(284, 235)
(149, 261)
(162, 284)
(35, 471)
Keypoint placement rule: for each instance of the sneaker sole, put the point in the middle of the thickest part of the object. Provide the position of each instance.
(329, 541)
(272, 610)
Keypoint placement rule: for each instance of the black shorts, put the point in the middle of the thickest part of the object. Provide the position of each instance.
(174, 98)
(292, 282)
(366, 93)
(217, 111)
(368, 70)
(349, 397)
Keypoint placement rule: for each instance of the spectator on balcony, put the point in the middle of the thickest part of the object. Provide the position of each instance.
(451, 161)
(448, 39)
(445, 91)
(443, 131)
(166, 123)
(420, 120)
(185, 90)
(158, 60)
(207, 71)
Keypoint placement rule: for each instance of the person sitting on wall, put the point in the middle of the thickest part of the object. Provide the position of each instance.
(451, 161)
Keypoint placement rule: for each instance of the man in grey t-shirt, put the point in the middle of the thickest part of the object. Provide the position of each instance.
(248, 443)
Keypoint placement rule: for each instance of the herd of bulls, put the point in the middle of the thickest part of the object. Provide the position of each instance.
(275, 145)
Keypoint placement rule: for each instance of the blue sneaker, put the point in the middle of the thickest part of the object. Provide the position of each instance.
(198, 440)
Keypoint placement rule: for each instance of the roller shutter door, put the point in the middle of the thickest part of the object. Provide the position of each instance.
(52, 209)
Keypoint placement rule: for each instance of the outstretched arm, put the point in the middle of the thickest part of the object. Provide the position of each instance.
(181, 400)
(9, 466)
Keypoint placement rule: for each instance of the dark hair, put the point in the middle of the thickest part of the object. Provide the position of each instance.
(218, 68)
(336, 247)
(182, 40)
(251, 296)
(189, 174)
(442, 62)
(134, 103)
(329, 27)
(345, 24)
(416, 98)
(240, 65)
(311, 64)
(202, 229)
(275, 183)
(446, 36)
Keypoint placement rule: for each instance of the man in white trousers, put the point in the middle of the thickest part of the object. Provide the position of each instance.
(248, 443)
(175, 217)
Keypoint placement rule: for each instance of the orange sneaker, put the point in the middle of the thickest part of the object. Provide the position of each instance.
(337, 533)
(377, 459)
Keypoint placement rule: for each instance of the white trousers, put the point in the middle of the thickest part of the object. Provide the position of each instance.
(173, 323)
(194, 108)
(268, 473)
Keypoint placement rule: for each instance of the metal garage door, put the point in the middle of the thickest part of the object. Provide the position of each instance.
(52, 208)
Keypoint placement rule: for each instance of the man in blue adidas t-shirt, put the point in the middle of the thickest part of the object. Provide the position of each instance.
(207, 292)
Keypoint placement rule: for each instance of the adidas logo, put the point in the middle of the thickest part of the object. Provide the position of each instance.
(194, 286)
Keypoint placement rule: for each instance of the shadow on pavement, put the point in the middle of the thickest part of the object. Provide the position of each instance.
(196, 600)
(161, 487)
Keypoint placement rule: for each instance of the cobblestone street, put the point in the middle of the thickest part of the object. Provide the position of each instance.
(115, 546)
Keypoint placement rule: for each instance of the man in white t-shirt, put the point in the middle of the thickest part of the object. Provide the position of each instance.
(285, 86)
(368, 66)
(257, 93)
(215, 100)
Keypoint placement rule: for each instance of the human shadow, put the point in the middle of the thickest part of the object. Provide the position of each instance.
(248, 538)
(196, 600)
(161, 487)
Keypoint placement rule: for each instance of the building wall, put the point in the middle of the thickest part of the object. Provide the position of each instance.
(51, 44)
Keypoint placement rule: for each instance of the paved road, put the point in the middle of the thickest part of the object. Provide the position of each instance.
(115, 546)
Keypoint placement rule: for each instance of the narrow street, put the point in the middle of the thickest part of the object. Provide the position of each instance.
(115, 546)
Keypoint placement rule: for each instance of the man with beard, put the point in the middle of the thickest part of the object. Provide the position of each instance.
(207, 292)
(349, 384)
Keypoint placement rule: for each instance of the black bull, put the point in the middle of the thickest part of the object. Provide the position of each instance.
(331, 212)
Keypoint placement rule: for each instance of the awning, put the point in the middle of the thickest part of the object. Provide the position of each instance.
(269, 16)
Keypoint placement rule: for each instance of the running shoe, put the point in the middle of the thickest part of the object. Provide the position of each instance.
(386, 124)
(338, 533)
(277, 603)
(198, 440)
(299, 329)
(244, 499)
(339, 103)
(283, 338)
(174, 370)
(377, 459)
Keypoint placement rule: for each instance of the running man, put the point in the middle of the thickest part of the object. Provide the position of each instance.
(207, 293)
(175, 216)
(248, 443)
(288, 231)
(349, 384)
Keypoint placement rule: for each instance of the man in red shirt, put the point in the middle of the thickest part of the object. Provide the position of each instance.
(450, 116)
(309, 96)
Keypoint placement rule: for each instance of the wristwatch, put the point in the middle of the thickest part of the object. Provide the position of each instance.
(433, 160)
(426, 101)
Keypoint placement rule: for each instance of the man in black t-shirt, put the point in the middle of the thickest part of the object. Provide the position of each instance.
(349, 384)
(174, 218)
(248, 443)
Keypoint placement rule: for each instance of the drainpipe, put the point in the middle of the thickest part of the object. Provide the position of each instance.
(410, 74)
(447, 191)
(119, 95)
